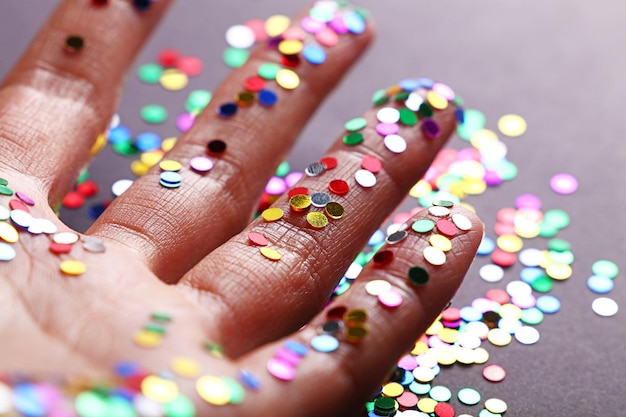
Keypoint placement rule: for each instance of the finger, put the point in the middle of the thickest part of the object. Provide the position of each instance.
(247, 292)
(63, 91)
(209, 208)
(356, 341)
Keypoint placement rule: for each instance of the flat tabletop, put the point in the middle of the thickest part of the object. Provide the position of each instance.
(558, 64)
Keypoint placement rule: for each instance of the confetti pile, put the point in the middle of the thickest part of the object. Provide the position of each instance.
(461, 334)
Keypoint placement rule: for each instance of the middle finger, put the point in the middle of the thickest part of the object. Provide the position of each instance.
(172, 229)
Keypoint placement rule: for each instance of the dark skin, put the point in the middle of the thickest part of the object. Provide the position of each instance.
(181, 252)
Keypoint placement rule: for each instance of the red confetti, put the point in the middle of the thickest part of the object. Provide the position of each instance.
(444, 410)
(297, 191)
(168, 57)
(87, 188)
(59, 248)
(371, 163)
(502, 258)
(190, 65)
(446, 227)
(258, 239)
(383, 258)
(329, 162)
(73, 200)
(18, 205)
(339, 187)
(498, 295)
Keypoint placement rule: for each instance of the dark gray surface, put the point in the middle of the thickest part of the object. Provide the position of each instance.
(560, 64)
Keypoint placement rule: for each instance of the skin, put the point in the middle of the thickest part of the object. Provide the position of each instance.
(189, 257)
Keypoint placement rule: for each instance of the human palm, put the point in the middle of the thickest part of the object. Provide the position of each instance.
(173, 279)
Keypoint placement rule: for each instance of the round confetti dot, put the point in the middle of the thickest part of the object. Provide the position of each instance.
(352, 139)
(324, 343)
(418, 275)
(371, 163)
(320, 200)
(444, 410)
(8, 233)
(213, 390)
(154, 114)
(120, 186)
(434, 256)
(7, 253)
(440, 242)
(72, 267)
(390, 298)
(499, 337)
(235, 57)
(334, 210)
(68, 238)
(197, 100)
(150, 73)
(272, 214)
(388, 115)
(240, 36)
(317, 219)
(327, 37)
(427, 405)
(170, 179)
(496, 405)
(431, 129)
(596, 283)
(355, 124)
(180, 406)
(424, 374)
(605, 268)
(365, 178)
(494, 373)
(227, 110)
(216, 146)
(469, 396)
(563, 184)
(512, 125)
(267, 98)
(74, 43)
(159, 389)
(21, 218)
(287, 79)
(170, 165)
(527, 335)
(339, 187)
(300, 202)
(447, 227)
(423, 225)
(395, 143)
(173, 79)
(201, 164)
(491, 273)
(377, 286)
(604, 306)
(383, 258)
(393, 389)
(314, 54)
(275, 25)
(548, 304)
(185, 367)
(487, 245)
(440, 393)
(59, 248)
(258, 239)
(439, 211)
(270, 253)
(290, 47)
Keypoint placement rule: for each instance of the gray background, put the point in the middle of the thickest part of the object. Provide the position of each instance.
(559, 64)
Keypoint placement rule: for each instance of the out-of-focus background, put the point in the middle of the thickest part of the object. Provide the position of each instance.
(558, 64)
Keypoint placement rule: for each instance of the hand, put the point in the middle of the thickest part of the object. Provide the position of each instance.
(182, 286)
